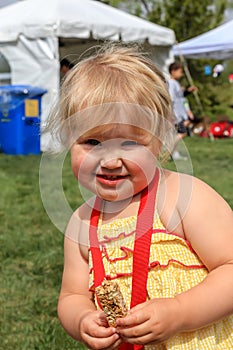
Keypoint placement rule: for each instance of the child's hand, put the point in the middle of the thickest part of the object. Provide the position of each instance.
(151, 322)
(192, 88)
(95, 332)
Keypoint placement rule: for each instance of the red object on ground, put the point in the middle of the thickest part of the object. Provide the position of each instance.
(221, 129)
(230, 78)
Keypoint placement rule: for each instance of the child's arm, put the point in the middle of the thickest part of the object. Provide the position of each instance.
(208, 225)
(76, 309)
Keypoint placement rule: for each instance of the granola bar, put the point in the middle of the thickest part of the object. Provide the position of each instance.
(112, 301)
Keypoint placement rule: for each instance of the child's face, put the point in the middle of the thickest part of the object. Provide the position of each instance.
(177, 74)
(116, 163)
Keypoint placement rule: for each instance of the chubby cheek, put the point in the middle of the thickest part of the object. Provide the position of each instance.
(76, 162)
(75, 168)
(82, 167)
(142, 179)
(145, 165)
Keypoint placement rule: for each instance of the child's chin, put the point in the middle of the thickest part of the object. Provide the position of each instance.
(115, 197)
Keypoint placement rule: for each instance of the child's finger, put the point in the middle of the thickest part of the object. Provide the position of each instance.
(137, 307)
(102, 343)
(132, 319)
(103, 320)
(101, 332)
(139, 335)
(134, 332)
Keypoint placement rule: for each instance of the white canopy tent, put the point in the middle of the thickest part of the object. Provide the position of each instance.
(30, 32)
(216, 44)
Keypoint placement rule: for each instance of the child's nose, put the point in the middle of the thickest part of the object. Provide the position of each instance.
(111, 163)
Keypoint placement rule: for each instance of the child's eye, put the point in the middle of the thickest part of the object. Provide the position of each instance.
(130, 143)
(92, 142)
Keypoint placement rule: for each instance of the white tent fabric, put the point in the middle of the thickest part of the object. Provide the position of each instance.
(216, 44)
(78, 19)
(30, 32)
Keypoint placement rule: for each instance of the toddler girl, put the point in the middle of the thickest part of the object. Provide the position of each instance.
(165, 238)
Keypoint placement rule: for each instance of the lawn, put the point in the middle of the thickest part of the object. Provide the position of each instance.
(32, 247)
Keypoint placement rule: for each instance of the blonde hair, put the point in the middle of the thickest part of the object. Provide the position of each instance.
(114, 74)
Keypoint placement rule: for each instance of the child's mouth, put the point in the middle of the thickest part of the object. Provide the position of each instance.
(110, 179)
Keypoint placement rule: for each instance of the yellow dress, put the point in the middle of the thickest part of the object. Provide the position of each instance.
(173, 268)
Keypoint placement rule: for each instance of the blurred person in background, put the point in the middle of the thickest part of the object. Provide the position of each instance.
(65, 66)
(178, 94)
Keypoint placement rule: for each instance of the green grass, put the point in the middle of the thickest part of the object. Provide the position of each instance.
(31, 262)
(32, 247)
(212, 162)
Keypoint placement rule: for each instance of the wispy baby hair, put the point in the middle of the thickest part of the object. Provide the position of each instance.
(115, 73)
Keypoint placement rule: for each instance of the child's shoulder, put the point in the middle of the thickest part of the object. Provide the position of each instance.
(84, 211)
(185, 199)
(188, 184)
(78, 226)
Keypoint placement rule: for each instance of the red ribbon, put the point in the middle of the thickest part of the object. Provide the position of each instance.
(141, 253)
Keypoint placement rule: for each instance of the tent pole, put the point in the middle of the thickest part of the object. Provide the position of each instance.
(189, 78)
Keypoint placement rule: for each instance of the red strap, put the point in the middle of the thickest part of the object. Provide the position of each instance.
(127, 346)
(144, 229)
(142, 243)
(98, 266)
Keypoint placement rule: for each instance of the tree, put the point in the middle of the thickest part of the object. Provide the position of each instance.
(187, 18)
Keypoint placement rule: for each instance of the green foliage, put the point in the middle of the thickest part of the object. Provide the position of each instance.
(217, 99)
(188, 18)
(216, 94)
(229, 4)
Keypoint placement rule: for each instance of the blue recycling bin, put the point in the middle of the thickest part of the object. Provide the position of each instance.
(20, 112)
